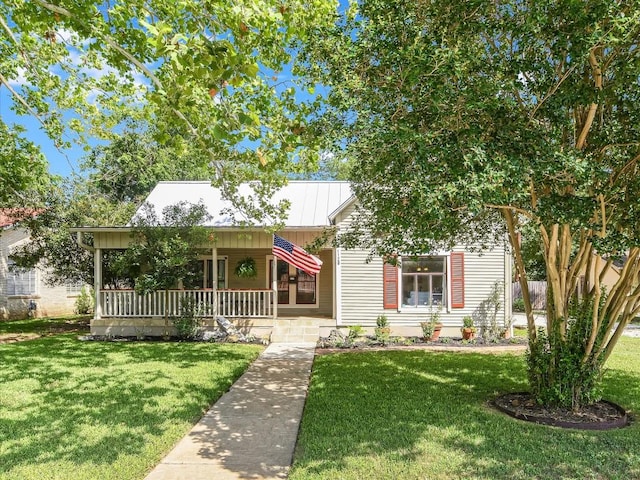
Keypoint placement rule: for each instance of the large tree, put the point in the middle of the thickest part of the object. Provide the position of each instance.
(206, 74)
(113, 180)
(468, 119)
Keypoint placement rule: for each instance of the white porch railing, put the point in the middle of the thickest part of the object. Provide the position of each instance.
(231, 303)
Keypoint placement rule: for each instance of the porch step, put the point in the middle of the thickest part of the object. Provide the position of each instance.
(295, 333)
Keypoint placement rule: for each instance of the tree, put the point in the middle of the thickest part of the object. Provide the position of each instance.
(23, 169)
(165, 248)
(127, 168)
(114, 179)
(204, 73)
(466, 120)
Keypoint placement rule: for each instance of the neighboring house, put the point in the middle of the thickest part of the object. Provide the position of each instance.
(24, 292)
(349, 290)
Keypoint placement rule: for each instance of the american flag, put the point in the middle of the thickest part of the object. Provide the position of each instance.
(295, 255)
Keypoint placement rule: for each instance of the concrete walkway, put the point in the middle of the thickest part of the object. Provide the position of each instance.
(251, 431)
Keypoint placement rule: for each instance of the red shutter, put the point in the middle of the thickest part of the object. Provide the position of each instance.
(390, 286)
(457, 280)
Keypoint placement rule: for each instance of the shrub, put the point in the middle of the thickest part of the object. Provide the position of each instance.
(188, 324)
(355, 331)
(518, 305)
(84, 302)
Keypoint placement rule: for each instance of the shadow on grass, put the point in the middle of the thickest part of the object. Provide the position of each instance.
(92, 402)
(426, 415)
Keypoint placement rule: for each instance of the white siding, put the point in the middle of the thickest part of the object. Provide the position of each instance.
(362, 284)
(49, 300)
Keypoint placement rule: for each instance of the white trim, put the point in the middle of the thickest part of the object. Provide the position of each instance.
(337, 281)
(292, 289)
(427, 308)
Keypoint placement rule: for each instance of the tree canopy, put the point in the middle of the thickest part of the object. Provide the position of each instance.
(466, 119)
(205, 74)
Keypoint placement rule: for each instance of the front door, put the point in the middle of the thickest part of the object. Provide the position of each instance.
(295, 287)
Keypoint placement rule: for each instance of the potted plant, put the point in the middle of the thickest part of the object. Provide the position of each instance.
(468, 329)
(431, 329)
(246, 268)
(382, 330)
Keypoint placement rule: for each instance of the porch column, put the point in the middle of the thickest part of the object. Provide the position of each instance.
(97, 282)
(274, 285)
(214, 281)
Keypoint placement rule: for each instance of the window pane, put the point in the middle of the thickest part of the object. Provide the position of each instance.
(437, 286)
(21, 281)
(409, 297)
(283, 282)
(305, 288)
(424, 290)
(222, 283)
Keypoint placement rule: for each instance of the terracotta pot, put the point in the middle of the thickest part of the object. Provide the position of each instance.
(436, 332)
(468, 333)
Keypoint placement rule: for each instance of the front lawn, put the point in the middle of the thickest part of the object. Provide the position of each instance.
(88, 410)
(45, 325)
(424, 415)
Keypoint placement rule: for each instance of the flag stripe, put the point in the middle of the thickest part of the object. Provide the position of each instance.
(295, 255)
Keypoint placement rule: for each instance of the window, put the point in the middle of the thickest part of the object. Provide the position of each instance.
(222, 273)
(424, 281)
(21, 281)
(74, 288)
(295, 287)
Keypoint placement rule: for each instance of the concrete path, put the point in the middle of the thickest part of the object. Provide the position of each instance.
(251, 431)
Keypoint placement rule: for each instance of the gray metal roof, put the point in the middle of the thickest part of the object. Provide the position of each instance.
(312, 202)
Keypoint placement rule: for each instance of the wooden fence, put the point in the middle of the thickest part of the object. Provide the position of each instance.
(537, 292)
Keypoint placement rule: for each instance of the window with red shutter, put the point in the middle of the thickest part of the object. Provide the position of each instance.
(390, 286)
(457, 280)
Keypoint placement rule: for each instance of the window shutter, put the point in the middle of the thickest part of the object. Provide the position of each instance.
(457, 280)
(390, 286)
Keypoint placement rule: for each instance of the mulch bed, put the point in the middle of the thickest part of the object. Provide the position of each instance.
(514, 345)
(602, 415)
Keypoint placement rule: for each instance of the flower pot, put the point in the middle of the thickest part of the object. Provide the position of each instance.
(436, 332)
(468, 333)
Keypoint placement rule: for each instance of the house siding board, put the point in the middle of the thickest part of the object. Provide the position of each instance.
(362, 289)
(49, 300)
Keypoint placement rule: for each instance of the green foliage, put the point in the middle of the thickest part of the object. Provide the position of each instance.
(23, 169)
(189, 323)
(246, 268)
(558, 374)
(85, 302)
(382, 321)
(461, 123)
(487, 313)
(355, 331)
(518, 305)
(429, 327)
(205, 74)
(467, 322)
(164, 248)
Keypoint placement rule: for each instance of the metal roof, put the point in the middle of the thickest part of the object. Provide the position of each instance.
(312, 202)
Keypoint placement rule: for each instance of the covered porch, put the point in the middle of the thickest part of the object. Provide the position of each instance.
(278, 291)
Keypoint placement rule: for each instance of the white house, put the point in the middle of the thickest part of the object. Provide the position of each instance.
(25, 292)
(284, 300)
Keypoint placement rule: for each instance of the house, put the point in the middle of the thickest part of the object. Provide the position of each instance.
(25, 292)
(281, 300)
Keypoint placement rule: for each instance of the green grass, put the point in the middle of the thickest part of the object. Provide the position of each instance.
(47, 325)
(100, 410)
(424, 415)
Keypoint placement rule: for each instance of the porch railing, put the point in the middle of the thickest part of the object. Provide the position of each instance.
(231, 303)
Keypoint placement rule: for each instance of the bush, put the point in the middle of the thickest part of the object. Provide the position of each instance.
(188, 324)
(518, 305)
(84, 303)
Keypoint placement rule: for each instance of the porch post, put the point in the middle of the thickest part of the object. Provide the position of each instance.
(97, 282)
(214, 280)
(274, 286)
